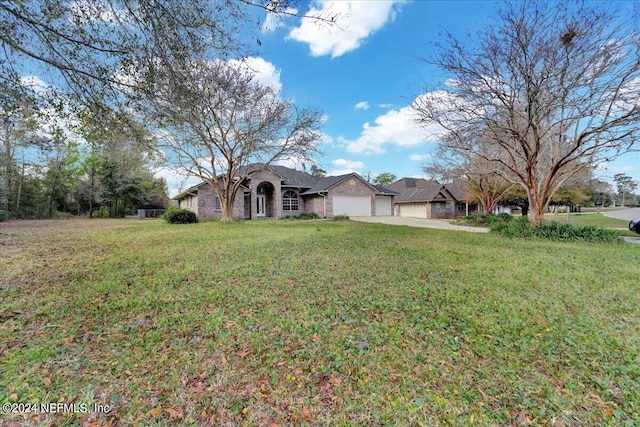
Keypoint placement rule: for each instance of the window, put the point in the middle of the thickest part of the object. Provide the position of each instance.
(216, 204)
(290, 201)
(440, 208)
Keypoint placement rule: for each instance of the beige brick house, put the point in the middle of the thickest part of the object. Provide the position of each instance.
(277, 191)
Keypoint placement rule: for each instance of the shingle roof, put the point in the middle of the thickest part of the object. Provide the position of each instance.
(290, 177)
(294, 177)
(414, 190)
(405, 184)
(383, 190)
(326, 182)
(422, 194)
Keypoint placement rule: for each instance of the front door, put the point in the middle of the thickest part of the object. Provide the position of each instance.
(261, 205)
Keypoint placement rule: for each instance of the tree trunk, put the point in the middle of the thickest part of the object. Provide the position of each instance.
(19, 193)
(227, 209)
(536, 208)
(91, 193)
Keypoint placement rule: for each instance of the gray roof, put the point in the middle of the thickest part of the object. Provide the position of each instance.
(414, 190)
(325, 183)
(405, 184)
(423, 194)
(384, 190)
(290, 177)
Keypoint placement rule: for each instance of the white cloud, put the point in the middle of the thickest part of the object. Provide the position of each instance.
(344, 166)
(34, 83)
(362, 105)
(385, 106)
(348, 164)
(419, 157)
(83, 12)
(355, 21)
(265, 72)
(273, 21)
(397, 127)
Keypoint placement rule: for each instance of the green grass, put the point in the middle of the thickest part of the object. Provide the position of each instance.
(595, 220)
(315, 323)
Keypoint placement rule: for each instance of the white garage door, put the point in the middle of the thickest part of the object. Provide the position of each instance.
(352, 205)
(383, 206)
(414, 211)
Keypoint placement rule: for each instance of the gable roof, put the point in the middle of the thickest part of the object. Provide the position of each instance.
(425, 194)
(327, 182)
(290, 177)
(407, 184)
(413, 190)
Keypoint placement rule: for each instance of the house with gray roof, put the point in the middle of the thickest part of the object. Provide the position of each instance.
(420, 198)
(275, 191)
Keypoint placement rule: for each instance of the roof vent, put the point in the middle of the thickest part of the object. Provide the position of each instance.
(411, 183)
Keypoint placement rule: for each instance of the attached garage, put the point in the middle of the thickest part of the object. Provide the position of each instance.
(383, 206)
(352, 205)
(414, 210)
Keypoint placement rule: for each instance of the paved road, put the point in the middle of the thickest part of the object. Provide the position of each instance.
(631, 239)
(628, 214)
(419, 222)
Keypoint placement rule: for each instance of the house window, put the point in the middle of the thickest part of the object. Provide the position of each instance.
(440, 208)
(290, 201)
(216, 204)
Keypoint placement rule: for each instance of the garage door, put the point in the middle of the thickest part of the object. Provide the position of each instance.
(383, 206)
(352, 205)
(414, 211)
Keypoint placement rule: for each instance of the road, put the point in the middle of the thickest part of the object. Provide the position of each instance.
(419, 222)
(628, 214)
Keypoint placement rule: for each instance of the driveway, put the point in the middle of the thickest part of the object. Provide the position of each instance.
(628, 214)
(418, 222)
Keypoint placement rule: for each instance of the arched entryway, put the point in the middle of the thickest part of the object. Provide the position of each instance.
(264, 200)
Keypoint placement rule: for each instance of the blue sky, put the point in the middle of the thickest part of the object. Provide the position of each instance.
(364, 73)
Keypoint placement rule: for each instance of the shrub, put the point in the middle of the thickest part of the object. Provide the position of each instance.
(520, 227)
(488, 220)
(308, 215)
(4, 215)
(303, 215)
(175, 215)
(103, 212)
(556, 231)
(341, 218)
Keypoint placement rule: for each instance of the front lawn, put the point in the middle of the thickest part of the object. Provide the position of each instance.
(283, 323)
(593, 219)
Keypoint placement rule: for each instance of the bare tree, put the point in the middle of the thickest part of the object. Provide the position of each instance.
(217, 120)
(476, 175)
(554, 86)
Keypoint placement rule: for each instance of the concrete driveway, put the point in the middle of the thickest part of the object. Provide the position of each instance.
(628, 214)
(418, 222)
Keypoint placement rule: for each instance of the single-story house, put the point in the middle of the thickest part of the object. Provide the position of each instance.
(420, 198)
(277, 191)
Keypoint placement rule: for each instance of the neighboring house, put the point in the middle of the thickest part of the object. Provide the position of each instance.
(419, 198)
(277, 191)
